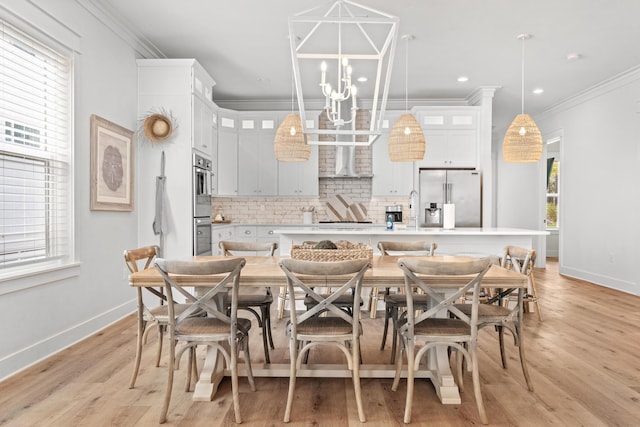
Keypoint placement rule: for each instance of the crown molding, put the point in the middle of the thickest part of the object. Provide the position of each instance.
(107, 15)
(619, 80)
(478, 96)
(318, 104)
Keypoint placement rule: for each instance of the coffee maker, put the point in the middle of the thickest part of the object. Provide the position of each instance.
(433, 216)
(394, 211)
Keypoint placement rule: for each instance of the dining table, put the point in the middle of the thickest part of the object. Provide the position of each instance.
(384, 272)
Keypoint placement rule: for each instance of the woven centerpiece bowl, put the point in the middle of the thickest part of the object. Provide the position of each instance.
(345, 251)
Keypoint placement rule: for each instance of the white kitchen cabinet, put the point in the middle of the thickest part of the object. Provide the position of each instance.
(452, 137)
(257, 164)
(300, 179)
(221, 233)
(389, 178)
(246, 233)
(227, 170)
(265, 233)
(450, 149)
(204, 138)
(182, 89)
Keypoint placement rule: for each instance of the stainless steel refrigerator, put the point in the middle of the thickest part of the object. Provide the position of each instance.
(465, 190)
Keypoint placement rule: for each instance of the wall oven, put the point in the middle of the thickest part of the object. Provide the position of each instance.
(202, 168)
(201, 191)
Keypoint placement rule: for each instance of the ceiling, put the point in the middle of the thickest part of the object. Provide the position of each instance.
(243, 44)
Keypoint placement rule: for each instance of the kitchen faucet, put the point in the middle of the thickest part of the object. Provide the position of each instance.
(413, 208)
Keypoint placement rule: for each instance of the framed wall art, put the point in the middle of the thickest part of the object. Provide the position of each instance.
(112, 166)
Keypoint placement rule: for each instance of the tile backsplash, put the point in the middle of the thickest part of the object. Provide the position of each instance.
(288, 210)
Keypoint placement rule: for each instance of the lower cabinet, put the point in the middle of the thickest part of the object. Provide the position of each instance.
(220, 233)
(243, 233)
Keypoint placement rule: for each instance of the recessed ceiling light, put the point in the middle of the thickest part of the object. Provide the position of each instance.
(362, 79)
(573, 56)
(538, 91)
(463, 79)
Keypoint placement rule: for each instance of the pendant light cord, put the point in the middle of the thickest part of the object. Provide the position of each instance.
(406, 76)
(522, 90)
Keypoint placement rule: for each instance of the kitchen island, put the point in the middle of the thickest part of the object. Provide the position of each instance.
(459, 241)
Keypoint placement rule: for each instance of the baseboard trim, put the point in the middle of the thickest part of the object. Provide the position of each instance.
(601, 280)
(24, 358)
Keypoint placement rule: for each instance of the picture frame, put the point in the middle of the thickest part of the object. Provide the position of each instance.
(112, 166)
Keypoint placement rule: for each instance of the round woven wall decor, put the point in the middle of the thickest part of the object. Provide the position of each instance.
(157, 127)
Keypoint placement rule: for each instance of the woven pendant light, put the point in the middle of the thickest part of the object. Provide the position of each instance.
(523, 140)
(289, 143)
(406, 140)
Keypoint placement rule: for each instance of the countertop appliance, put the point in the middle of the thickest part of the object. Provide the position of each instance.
(394, 211)
(201, 193)
(464, 189)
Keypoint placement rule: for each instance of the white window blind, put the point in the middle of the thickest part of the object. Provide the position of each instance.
(35, 97)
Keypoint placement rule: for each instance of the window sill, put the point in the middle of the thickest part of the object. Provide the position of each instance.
(32, 277)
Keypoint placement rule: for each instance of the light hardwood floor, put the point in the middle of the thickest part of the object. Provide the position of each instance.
(584, 361)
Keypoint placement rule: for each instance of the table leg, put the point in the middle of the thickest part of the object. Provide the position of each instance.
(210, 376)
(442, 377)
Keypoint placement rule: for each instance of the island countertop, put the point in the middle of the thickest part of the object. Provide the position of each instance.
(409, 231)
(459, 241)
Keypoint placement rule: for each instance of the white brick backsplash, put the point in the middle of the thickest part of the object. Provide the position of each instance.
(288, 210)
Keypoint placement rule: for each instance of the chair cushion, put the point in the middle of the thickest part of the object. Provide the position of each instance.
(245, 300)
(439, 327)
(400, 300)
(324, 326)
(161, 312)
(344, 300)
(209, 326)
(485, 310)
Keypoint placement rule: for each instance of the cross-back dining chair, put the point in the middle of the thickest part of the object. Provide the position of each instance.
(396, 301)
(250, 300)
(497, 312)
(523, 260)
(442, 324)
(227, 333)
(152, 309)
(337, 328)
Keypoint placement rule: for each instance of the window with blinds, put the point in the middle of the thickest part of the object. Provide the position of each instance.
(35, 110)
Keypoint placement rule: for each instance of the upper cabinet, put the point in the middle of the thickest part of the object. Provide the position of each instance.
(452, 136)
(389, 178)
(204, 138)
(299, 179)
(227, 152)
(247, 165)
(257, 164)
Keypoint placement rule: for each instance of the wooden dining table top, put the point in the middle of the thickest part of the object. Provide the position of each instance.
(385, 272)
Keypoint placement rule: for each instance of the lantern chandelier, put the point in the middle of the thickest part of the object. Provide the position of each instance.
(331, 46)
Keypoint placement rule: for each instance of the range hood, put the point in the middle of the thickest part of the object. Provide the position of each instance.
(345, 165)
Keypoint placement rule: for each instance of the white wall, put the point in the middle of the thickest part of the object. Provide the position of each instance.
(600, 177)
(41, 320)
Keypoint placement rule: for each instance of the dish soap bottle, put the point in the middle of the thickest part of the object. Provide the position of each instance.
(389, 222)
